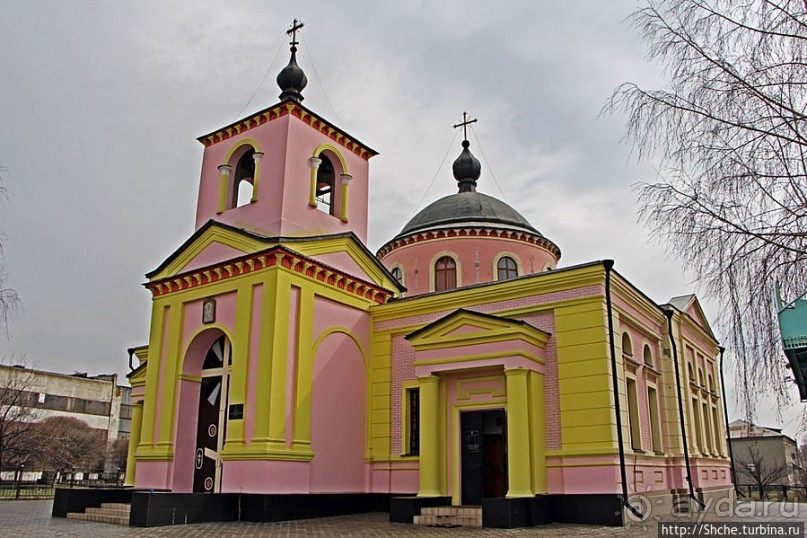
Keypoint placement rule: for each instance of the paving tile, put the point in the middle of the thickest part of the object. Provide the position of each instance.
(20, 519)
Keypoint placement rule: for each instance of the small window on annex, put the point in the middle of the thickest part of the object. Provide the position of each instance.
(326, 181)
(397, 274)
(627, 346)
(244, 179)
(445, 274)
(648, 356)
(413, 425)
(506, 268)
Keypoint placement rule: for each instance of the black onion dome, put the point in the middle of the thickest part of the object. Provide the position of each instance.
(467, 169)
(468, 208)
(292, 79)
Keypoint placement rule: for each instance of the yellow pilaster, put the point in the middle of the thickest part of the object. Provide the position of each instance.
(280, 347)
(429, 436)
(134, 440)
(255, 176)
(305, 371)
(518, 433)
(538, 432)
(172, 368)
(225, 178)
(343, 210)
(240, 367)
(269, 315)
(159, 313)
(312, 198)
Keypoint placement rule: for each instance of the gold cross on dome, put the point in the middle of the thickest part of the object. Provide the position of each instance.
(464, 124)
(295, 26)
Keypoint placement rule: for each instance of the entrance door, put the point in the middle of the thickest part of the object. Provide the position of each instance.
(484, 455)
(211, 420)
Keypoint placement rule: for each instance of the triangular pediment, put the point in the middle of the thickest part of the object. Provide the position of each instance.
(212, 243)
(690, 305)
(695, 311)
(216, 242)
(467, 327)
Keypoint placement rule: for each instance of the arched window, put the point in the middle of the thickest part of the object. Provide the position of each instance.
(445, 274)
(711, 384)
(506, 268)
(700, 377)
(326, 181)
(397, 274)
(648, 356)
(691, 373)
(627, 346)
(244, 178)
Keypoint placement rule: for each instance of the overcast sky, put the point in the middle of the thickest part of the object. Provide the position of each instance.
(101, 103)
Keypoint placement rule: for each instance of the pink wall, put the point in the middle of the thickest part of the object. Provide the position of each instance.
(338, 417)
(415, 259)
(265, 476)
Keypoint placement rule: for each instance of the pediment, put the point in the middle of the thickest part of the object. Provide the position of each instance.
(210, 245)
(467, 327)
(695, 311)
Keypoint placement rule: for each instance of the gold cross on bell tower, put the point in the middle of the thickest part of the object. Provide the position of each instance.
(464, 124)
(296, 25)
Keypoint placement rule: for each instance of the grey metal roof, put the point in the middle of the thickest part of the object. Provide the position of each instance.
(467, 207)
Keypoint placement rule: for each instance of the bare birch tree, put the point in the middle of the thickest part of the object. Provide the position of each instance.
(9, 300)
(18, 416)
(729, 129)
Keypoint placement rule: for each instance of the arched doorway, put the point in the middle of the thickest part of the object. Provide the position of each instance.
(211, 423)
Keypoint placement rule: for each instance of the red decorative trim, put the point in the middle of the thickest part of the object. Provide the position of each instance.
(264, 259)
(447, 233)
(299, 112)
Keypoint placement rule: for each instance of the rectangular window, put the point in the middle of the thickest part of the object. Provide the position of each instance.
(79, 405)
(696, 420)
(125, 411)
(413, 412)
(707, 425)
(655, 422)
(58, 403)
(633, 415)
(716, 426)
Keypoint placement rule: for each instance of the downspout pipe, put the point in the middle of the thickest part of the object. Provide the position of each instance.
(726, 417)
(609, 265)
(669, 312)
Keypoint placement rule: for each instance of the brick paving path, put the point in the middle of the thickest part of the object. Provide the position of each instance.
(21, 519)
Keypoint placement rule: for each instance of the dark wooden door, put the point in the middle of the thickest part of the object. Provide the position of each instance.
(207, 434)
(484, 455)
(472, 425)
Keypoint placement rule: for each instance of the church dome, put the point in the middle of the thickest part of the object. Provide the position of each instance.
(467, 208)
(466, 238)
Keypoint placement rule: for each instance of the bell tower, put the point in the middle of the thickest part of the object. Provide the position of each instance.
(285, 170)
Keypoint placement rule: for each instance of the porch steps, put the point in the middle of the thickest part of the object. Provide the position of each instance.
(115, 513)
(450, 516)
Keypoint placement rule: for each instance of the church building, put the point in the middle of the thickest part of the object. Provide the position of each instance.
(291, 372)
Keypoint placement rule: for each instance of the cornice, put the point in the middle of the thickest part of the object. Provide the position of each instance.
(469, 231)
(534, 284)
(298, 111)
(277, 256)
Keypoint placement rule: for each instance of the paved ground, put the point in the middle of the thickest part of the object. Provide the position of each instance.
(23, 519)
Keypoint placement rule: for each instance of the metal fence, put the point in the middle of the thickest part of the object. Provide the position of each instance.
(22, 483)
(772, 492)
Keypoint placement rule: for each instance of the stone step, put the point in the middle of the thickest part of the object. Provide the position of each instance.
(118, 506)
(464, 511)
(115, 513)
(450, 516)
(120, 512)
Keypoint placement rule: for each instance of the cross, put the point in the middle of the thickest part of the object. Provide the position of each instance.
(295, 26)
(464, 124)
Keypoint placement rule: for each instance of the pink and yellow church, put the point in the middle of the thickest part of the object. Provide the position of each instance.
(291, 372)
